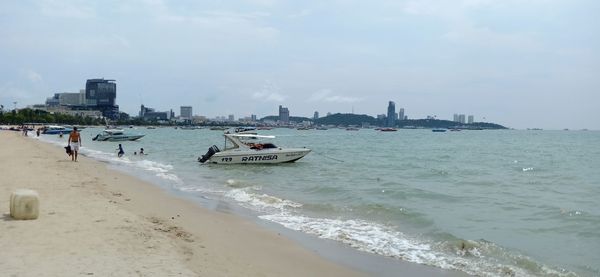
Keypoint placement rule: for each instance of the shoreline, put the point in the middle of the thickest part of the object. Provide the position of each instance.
(167, 232)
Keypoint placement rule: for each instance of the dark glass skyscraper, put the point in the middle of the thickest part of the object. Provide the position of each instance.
(101, 93)
(284, 114)
(391, 114)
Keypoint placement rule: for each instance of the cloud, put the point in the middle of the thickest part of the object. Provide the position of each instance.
(302, 13)
(10, 92)
(33, 76)
(67, 9)
(264, 3)
(269, 92)
(485, 37)
(269, 96)
(245, 25)
(325, 95)
(463, 27)
(442, 8)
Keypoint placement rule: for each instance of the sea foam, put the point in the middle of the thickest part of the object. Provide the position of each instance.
(472, 257)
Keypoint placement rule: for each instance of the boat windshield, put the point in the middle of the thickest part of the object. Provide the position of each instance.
(230, 144)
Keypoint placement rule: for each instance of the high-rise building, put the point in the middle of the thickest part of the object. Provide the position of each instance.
(284, 114)
(231, 117)
(471, 119)
(185, 112)
(67, 99)
(144, 110)
(149, 114)
(461, 118)
(316, 115)
(101, 94)
(455, 118)
(391, 114)
(253, 117)
(401, 114)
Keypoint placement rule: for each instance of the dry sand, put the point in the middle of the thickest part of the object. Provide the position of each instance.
(96, 221)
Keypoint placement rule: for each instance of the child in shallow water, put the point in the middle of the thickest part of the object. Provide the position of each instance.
(121, 152)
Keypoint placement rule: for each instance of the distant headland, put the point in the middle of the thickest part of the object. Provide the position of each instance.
(364, 120)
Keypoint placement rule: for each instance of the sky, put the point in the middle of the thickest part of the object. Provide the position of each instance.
(523, 64)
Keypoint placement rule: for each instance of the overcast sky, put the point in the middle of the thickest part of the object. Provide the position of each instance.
(533, 63)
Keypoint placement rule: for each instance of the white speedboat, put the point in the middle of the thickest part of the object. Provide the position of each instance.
(56, 130)
(116, 135)
(246, 149)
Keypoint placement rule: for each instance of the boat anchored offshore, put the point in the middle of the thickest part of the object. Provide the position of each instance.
(116, 135)
(244, 149)
(56, 130)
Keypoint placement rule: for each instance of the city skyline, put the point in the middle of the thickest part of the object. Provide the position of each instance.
(518, 64)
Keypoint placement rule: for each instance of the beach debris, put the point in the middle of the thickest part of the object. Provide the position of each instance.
(178, 232)
(24, 204)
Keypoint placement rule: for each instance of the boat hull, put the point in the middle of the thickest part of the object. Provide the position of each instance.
(124, 138)
(57, 132)
(259, 156)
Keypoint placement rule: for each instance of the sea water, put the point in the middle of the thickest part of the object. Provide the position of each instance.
(488, 203)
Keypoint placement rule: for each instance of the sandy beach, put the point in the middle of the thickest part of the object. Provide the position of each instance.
(96, 221)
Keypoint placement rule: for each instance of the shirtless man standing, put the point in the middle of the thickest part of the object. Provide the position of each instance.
(75, 138)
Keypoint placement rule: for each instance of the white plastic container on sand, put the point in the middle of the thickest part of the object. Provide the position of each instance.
(24, 204)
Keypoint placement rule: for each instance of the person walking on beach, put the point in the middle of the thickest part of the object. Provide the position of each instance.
(74, 138)
(121, 152)
(142, 151)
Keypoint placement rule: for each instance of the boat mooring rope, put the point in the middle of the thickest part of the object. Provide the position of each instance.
(338, 160)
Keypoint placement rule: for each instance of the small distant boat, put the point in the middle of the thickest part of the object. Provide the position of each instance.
(116, 135)
(56, 130)
(455, 130)
(438, 130)
(219, 128)
(388, 129)
(322, 128)
(245, 130)
(190, 127)
(352, 129)
(243, 151)
(79, 128)
(150, 127)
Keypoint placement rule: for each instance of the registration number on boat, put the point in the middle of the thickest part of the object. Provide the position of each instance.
(259, 158)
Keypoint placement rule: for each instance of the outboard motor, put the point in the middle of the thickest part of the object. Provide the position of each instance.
(211, 151)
